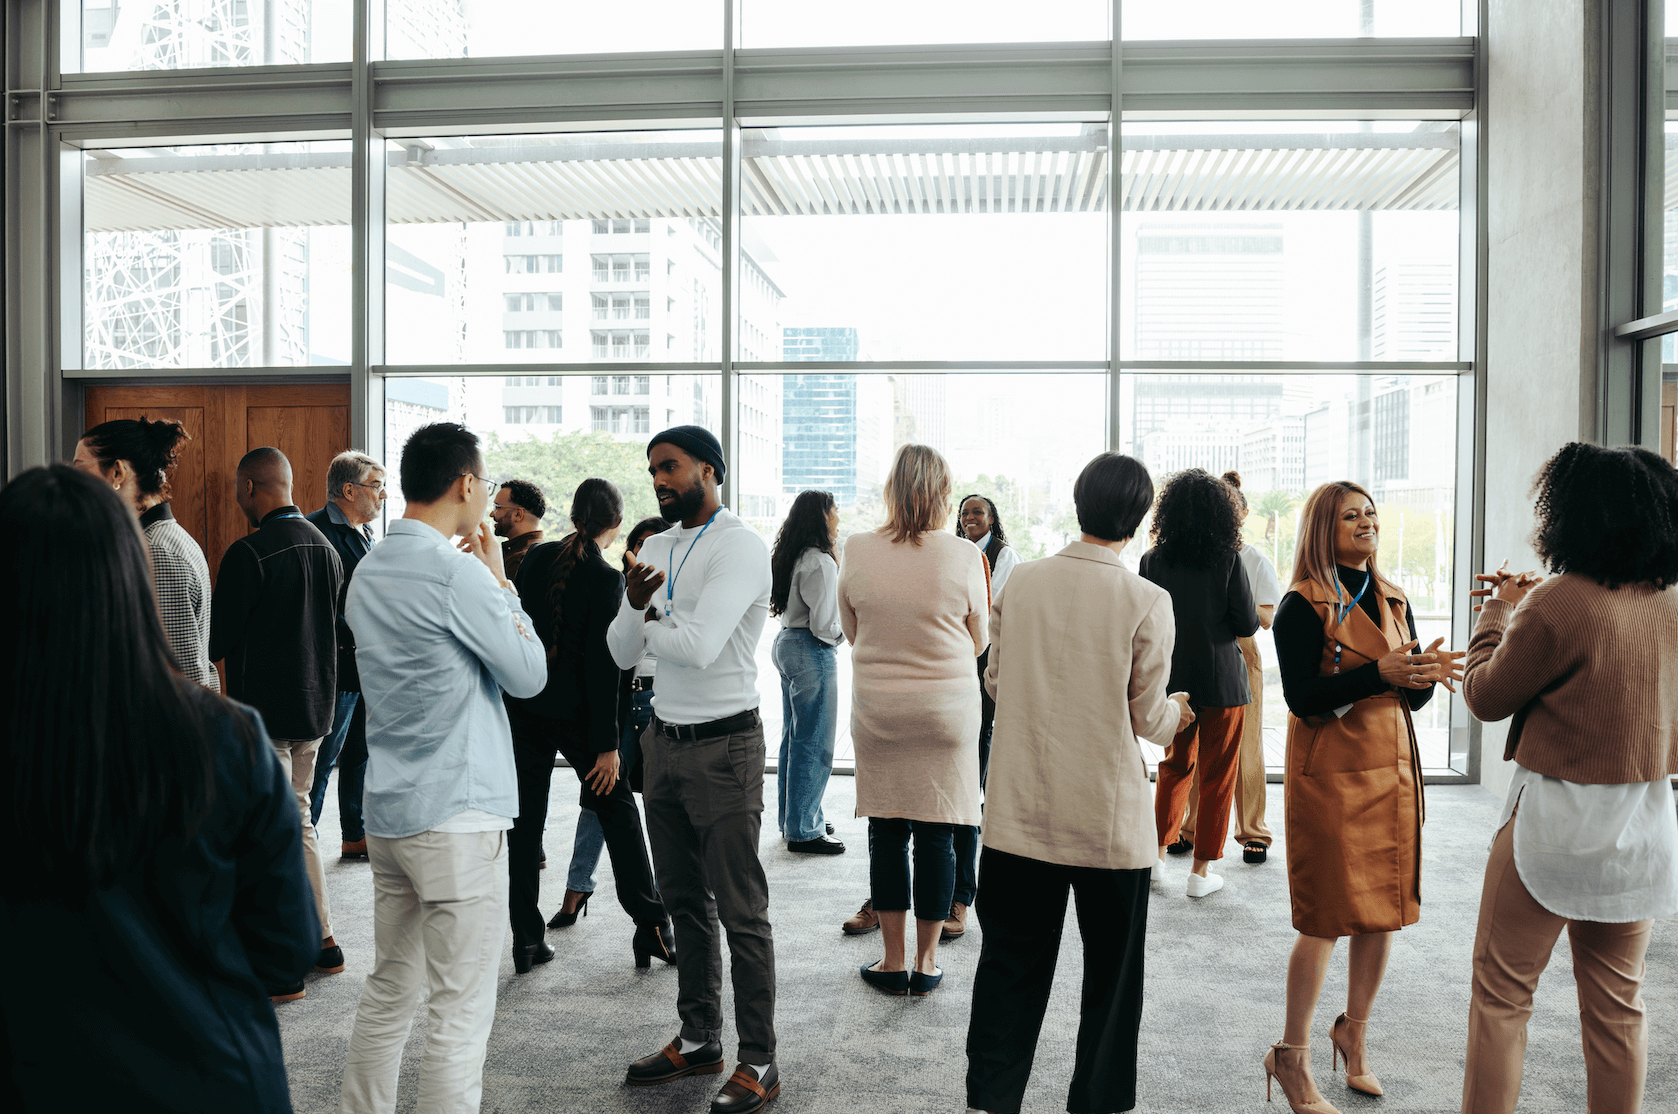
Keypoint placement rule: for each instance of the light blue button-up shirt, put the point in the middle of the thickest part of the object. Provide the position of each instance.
(437, 641)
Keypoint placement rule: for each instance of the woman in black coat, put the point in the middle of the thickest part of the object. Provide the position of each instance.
(573, 594)
(154, 840)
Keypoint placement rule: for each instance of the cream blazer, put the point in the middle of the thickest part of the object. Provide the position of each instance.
(1079, 660)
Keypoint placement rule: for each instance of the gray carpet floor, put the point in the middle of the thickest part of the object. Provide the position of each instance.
(564, 1032)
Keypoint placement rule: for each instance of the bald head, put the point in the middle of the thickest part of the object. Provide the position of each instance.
(262, 484)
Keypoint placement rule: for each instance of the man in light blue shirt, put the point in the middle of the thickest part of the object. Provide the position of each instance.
(439, 637)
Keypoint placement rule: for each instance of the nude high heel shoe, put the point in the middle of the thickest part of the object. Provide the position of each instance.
(1272, 1071)
(1367, 1084)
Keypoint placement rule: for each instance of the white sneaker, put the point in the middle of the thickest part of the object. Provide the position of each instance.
(1159, 871)
(1201, 887)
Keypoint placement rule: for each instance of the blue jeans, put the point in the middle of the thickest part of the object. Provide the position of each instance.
(888, 866)
(590, 839)
(347, 741)
(809, 671)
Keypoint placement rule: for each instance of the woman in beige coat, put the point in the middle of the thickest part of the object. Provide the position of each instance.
(1080, 655)
(914, 602)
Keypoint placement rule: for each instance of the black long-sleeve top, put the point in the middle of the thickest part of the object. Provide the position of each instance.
(586, 691)
(1212, 608)
(1298, 631)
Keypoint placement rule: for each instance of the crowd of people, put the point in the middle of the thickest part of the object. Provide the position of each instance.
(165, 813)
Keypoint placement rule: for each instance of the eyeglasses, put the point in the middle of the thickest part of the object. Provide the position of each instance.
(370, 487)
(474, 475)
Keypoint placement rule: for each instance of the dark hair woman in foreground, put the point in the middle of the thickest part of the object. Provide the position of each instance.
(1588, 841)
(153, 835)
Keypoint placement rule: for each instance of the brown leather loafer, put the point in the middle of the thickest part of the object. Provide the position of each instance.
(745, 1093)
(863, 920)
(668, 1063)
(956, 927)
(355, 850)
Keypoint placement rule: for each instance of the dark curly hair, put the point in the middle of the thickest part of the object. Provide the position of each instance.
(1195, 522)
(996, 530)
(523, 493)
(150, 447)
(1609, 514)
(805, 528)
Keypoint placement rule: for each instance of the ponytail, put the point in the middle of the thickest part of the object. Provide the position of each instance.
(151, 448)
(596, 506)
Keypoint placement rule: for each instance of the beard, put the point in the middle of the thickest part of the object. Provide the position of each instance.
(500, 526)
(686, 504)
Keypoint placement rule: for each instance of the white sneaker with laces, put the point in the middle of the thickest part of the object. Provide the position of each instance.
(1201, 887)
(1159, 871)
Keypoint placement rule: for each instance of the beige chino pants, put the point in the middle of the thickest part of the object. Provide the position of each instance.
(297, 757)
(1249, 769)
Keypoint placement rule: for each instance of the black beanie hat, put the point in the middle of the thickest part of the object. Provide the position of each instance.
(698, 442)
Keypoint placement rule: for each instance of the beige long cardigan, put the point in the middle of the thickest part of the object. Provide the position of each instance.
(1079, 660)
(915, 616)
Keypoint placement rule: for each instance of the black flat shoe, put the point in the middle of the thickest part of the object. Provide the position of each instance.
(526, 955)
(830, 829)
(668, 1063)
(1254, 852)
(821, 845)
(891, 982)
(566, 920)
(921, 985)
(653, 941)
(289, 992)
(745, 1093)
(1181, 847)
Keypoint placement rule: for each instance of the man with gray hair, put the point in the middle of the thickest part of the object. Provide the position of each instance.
(355, 496)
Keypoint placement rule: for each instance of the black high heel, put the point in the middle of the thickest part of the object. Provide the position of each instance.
(651, 942)
(527, 955)
(566, 920)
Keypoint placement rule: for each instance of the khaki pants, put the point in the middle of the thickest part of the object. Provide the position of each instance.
(1249, 771)
(297, 758)
(1511, 947)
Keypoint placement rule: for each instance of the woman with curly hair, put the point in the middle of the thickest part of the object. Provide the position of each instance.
(1196, 558)
(804, 594)
(1584, 662)
(1345, 644)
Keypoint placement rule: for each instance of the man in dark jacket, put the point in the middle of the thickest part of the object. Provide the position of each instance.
(272, 619)
(355, 495)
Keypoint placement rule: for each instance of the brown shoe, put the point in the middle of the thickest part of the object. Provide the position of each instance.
(356, 850)
(956, 927)
(863, 920)
(745, 1093)
(668, 1063)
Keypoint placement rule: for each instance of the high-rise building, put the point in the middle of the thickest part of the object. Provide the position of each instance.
(1414, 311)
(1273, 455)
(820, 423)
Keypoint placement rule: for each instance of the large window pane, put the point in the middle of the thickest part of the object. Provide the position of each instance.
(234, 255)
(1291, 19)
(1286, 434)
(497, 28)
(556, 430)
(1289, 241)
(563, 248)
(934, 242)
(767, 23)
(1019, 438)
(193, 34)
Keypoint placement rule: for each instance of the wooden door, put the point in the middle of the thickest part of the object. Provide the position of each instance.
(309, 423)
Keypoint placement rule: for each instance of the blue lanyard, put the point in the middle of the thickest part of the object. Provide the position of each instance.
(1346, 609)
(676, 570)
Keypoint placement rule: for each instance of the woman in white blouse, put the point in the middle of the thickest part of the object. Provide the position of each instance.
(804, 595)
(1584, 660)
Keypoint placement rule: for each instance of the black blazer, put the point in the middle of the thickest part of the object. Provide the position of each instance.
(1213, 607)
(352, 544)
(162, 1003)
(586, 691)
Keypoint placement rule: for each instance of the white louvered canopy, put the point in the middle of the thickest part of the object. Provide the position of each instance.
(578, 179)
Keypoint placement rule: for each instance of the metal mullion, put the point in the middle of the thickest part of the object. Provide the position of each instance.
(279, 373)
(730, 253)
(369, 175)
(1116, 192)
(602, 367)
(815, 367)
(1303, 367)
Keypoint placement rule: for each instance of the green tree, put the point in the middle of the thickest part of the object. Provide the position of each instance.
(565, 460)
(1273, 506)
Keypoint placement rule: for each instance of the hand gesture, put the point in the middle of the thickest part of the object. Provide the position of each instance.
(640, 584)
(604, 774)
(1506, 586)
(486, 547)
(1404, 668)
(1185, 714)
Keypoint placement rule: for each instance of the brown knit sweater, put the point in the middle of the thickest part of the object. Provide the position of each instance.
(1590, 675)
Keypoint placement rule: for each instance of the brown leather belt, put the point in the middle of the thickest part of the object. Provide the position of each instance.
(695, 732)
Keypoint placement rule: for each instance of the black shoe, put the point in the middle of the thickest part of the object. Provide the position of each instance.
(653, 941)
(287, 993)
(891, 982)
(745, 1093)
(566, 920)
(1254, 852)
(331, 960)
(829, 829)
(1181, 847)
(821, 845)
(921, 985)
(668, 1063)
(527, 955)
(542, 863)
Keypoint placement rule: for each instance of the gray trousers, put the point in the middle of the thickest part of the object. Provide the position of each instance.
(704, 805)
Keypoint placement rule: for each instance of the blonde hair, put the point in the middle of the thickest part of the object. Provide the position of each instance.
(917, 494)
(1313, 557)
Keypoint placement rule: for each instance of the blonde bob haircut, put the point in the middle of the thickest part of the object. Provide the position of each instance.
(917, 494)
(1313, 557)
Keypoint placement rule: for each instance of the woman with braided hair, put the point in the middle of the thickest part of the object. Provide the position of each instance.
(573, 595)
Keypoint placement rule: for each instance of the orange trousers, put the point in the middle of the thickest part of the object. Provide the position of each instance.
(1249, 771)
(1210, 747)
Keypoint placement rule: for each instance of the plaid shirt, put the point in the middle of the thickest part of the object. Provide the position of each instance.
(183, 593)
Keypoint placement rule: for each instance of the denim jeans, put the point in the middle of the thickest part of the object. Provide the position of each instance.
(590, 839)
(888, 866)
(346, 746)
(809, 671)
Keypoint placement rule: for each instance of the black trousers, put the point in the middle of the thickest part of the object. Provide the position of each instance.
(1022, 930)
(536, 739)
